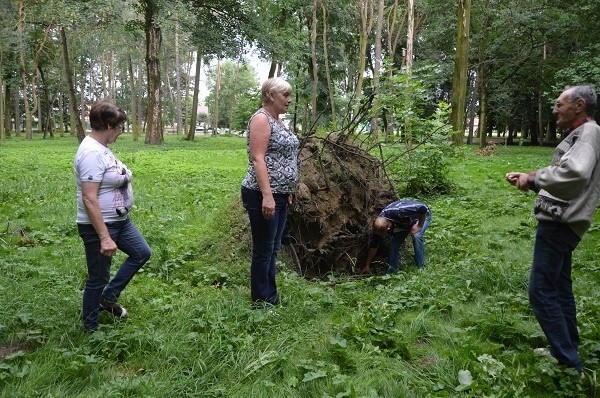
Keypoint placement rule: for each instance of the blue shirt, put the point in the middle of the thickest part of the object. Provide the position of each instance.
(404, 213)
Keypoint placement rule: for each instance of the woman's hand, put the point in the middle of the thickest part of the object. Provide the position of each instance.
(108, 247)
(268, 206)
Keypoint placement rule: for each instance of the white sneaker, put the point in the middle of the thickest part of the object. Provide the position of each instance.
(543, 352)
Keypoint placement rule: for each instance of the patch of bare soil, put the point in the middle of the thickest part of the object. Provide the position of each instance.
(10, 348)
(342, 189)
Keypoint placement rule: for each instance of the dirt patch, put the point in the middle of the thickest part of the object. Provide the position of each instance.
(342, 188)
(10, 348)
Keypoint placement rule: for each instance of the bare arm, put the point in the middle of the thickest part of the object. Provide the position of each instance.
(89, 191)
(419, 225)
(370, 256)
(260, 132)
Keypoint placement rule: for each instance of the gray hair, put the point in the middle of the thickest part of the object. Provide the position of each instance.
(274, 85)
(587, 94)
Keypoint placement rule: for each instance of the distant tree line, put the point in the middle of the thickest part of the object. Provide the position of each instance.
(57, 56)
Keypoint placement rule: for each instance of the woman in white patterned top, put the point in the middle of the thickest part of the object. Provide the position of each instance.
(104, 199)
(268, 186)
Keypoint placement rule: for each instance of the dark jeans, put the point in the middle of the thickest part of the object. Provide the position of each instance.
(266, 242)
(551, 290)
(97, 285)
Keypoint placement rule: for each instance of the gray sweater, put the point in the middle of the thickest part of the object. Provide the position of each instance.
(570, 186)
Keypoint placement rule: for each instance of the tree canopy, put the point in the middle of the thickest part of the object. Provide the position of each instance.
(336, 53)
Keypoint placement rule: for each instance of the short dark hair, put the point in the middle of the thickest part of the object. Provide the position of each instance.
(588, 95)
(104, 114)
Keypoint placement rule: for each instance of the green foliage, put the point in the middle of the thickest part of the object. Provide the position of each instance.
(460, 328)
(585, 69)
(238, 94)
(418, 160)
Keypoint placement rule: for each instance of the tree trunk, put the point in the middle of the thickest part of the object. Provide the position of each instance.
(48, 124)
(483, 113)
(459, 80)
(17, 114)
(410, 33)
(154, 127)
(394, 32)
(481, 78)
(76, 119)
(61, 121)
(365, 11)
(377, 66)
(23, 72)
(194, 116)
(235, 96)
(330, 85)
(186, 98)
(473, 109)
(217, 93)
(6, 121)
(133, 112)
(179, 110)
(314, 65)
(2, 102)
(540, 119)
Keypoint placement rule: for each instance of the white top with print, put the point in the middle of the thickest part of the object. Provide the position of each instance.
(96, 163)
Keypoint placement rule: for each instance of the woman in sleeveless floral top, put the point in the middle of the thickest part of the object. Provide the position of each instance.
(268, 186)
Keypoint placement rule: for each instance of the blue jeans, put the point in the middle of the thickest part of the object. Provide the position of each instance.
(266, 242)
(551, 290)
(419, 243)
(98, 285)
(398, 239)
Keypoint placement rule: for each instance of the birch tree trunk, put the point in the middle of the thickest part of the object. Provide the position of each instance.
(178, 83)
(186, 98)
(410, 34)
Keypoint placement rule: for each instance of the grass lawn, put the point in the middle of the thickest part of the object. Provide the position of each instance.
(461, 328)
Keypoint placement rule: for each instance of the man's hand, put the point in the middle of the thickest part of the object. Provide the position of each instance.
(415, 229)
(519, 180)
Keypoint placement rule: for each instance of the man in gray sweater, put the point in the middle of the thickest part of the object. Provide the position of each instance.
(568, 191)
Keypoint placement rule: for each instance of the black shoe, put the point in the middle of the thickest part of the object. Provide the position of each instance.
(114, 308)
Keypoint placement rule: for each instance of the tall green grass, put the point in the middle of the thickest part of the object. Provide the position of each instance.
(461, 328)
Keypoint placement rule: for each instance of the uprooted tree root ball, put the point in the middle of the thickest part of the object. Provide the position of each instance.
(342, 188)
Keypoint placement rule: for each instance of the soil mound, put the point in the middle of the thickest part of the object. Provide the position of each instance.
(342, 188)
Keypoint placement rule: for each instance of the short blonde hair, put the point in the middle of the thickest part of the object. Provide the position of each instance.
(274, 85)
